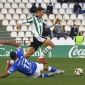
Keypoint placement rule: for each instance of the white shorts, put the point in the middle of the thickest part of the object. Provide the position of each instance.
(38, 71)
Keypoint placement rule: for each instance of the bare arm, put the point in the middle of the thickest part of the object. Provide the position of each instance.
(49, 26)
(29, 20)
(8, 65)
(10, 43)
(4, 75)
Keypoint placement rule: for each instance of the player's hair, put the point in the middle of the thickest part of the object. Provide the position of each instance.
(13, 55)
(39, 9)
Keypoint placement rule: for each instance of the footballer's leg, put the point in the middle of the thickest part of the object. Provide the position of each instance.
(29, 52)
(53, 70)
(49, 45)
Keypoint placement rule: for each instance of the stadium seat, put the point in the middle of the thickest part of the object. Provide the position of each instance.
(29, 28)
(45, 17)
(22, 16)
(53, 1)
(25, 38)
(73, 16)
(44, 5)
(24, 28)
(5, 22)
(21, 34)
(12, 22)
(69, 41)
(59, 16)
(27, 24)
(32, 1)
(28, 5)
(52, 17)
(9, 28)
(54, 40)
(69, 11)
(8, 17)
(81, 28)
(77, 22)
(83, 22)
(63, 22)
(28, 34)
(62, 11)
(61, 41)
(21, 5)
(46, 1)
(13, 34)
(18, 39)
(4, 11)
(80, 16)
(84, 34)
(29, 15)
(25, 11)
(83, 5)
(3, 1)
(14, 5)
(39, 1)
(66, 16)
(18, 11)
(70, 22)
(57, 5)
(55, 11)
(17, 1)
(10, 1)
(24, 1)
(67, 28)
(37, 4)
(71, 5)
(64, 5)
(26, 41)
(11, 11)
(1, 5)
(15, 16)
(1, 16)
(7, 5)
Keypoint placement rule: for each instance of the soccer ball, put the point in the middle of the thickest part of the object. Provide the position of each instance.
(78, 71)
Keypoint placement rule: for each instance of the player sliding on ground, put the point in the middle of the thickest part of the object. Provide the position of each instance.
(37, 24)
(21, 64)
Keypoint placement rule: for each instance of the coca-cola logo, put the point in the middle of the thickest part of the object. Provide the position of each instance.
(76, 52)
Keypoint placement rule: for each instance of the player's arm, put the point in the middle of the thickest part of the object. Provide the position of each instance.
(4, 75)
(29, 20)
(8, 65)
(10, 43)
(18, 50)
(51, 25)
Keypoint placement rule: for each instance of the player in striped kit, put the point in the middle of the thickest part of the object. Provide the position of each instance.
(37, 24)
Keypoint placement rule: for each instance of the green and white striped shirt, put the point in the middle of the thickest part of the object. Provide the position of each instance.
(37, 25)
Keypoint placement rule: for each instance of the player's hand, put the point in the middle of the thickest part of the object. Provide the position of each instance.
(57, 20)
(4, 42)
(18, 26)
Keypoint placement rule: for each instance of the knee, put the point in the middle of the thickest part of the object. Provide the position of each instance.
(52, 45)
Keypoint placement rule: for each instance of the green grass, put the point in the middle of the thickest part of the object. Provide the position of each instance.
(68, 78)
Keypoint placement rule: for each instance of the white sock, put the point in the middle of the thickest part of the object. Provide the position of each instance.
(45, 52)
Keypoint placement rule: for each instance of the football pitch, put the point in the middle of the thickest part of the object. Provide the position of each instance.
(67, 64)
